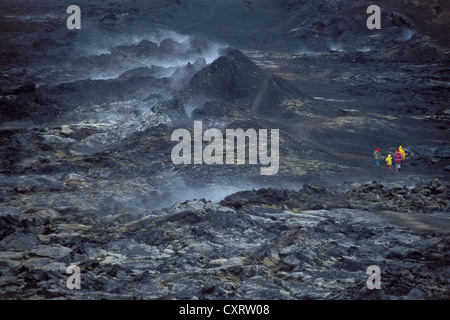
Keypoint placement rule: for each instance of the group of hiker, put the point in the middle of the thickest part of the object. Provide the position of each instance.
(399, 156)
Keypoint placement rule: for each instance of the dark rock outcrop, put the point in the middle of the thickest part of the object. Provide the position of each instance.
(28, 103)
(237, 80)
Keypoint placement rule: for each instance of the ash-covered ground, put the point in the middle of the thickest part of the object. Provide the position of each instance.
(86, 170)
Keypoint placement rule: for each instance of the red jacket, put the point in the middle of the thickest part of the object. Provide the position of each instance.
(398, 157)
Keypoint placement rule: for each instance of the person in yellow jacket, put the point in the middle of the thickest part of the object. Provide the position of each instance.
(402, 152)
(389, 161)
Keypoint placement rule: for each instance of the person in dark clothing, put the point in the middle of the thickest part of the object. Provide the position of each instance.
(377, 156)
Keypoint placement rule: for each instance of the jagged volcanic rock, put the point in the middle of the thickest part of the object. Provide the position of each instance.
(259, 251)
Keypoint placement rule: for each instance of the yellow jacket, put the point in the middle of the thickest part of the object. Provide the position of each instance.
(389, 160)
(402, 152)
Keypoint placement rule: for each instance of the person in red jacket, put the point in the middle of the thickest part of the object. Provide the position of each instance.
(398, 160)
